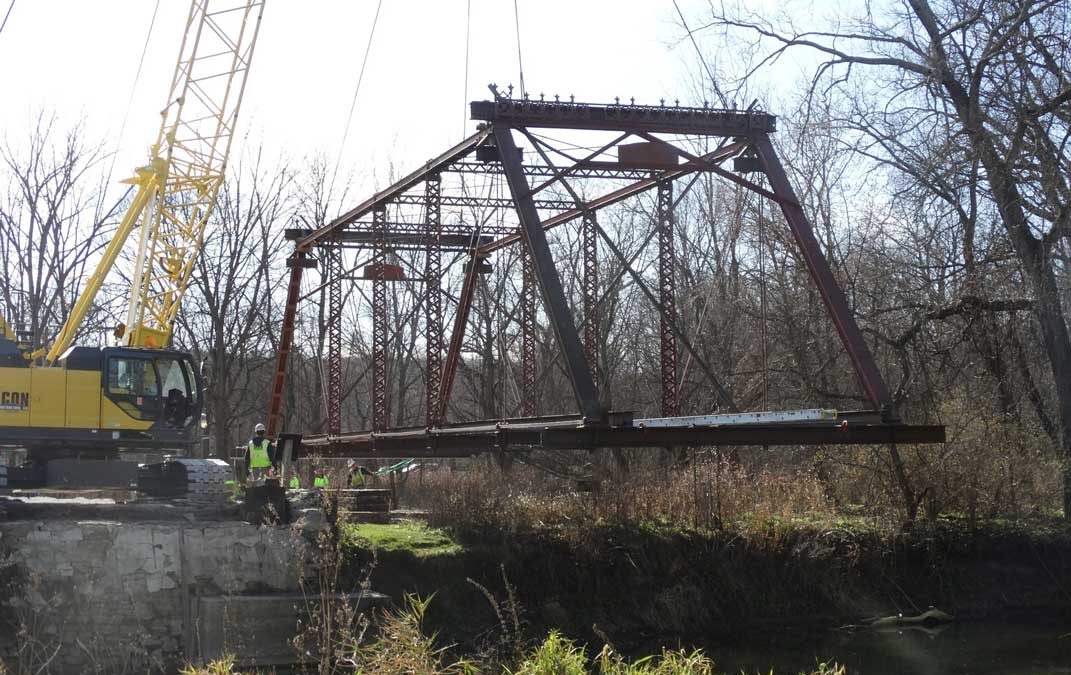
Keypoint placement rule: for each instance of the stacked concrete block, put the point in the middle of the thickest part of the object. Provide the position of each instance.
(111, 596)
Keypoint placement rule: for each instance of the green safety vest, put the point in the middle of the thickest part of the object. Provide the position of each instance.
(357, 480)
(258, 455)
(295, 483)
(320, 482)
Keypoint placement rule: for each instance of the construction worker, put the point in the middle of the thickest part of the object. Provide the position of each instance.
(295, 482)
(357, 474)
(259, 454)
(320, 481)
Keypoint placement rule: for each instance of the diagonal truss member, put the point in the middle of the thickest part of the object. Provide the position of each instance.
(659, 129)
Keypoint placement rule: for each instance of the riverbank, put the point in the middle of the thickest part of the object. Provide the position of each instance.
(642, 584)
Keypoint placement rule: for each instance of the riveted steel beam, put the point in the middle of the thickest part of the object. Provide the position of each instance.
(546, 274)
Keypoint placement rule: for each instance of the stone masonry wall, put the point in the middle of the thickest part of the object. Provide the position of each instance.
(114, 597)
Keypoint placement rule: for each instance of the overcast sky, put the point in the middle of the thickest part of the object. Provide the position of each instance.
(78, 59)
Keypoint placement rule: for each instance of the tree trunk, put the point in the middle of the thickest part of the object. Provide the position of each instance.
(1038, 269)
(1031, 252)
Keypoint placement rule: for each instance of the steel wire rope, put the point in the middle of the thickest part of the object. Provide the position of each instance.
(6, 15)
(699, 53)
(503, 319)
(353, 103)
(565, 144)
(465, 86)
(762, 304)
(129, 103)
(320, 340)
(517, 28)
(695, 336)
(491, 187)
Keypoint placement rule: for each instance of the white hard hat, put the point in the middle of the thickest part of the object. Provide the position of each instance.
(259, 427)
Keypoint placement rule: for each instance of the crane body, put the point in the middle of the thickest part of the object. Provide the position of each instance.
(64, 400)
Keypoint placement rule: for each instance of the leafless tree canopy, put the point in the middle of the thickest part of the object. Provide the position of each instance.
(49, 228)
(929, 147)
(962, 109)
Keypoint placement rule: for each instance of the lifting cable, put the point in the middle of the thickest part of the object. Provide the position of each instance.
(762, 305)
(517, 28)
(353, 103)
(465, 88)
(129, 103)
(4, 22)
(699, 53)
(503, 330)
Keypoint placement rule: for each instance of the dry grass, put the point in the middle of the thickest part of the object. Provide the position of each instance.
(995, 475)
(709, 494)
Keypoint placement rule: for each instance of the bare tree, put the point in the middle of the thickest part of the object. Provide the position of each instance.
(226, 317)
(970, 102)
(49, 232)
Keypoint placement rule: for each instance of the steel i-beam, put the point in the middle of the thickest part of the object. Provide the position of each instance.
(667, 297)
(379, 322)
(557, 308)
(433, 299)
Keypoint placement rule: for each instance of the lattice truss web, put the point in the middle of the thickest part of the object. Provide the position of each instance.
(640, 274)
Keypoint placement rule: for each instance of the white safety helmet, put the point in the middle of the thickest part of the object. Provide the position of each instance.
(258, 428)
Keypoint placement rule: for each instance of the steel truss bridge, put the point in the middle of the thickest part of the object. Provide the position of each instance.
(651, 145)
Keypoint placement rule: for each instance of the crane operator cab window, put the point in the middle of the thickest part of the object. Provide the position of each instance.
(153, 388)
(178, 390)
(132, 377)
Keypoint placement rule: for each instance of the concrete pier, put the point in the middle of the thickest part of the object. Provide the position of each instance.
(94, 587)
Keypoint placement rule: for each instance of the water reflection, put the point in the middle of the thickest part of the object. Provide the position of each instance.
(959, 649)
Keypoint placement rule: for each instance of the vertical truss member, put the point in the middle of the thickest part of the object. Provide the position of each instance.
(502, 118)
(333, 254)
(528, 320)
(379, 321)
(591, 294)
(667, 297)
(433, 300)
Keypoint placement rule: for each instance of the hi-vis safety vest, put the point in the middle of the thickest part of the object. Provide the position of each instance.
(320, 482)
(258, 455)
(295, 483)
(357, 480)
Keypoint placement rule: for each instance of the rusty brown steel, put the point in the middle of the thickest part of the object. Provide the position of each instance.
(667, 298)
(528, 325)
(590, 284)
(433, 300)
(332, 254)
(379, 322)
(297, 264)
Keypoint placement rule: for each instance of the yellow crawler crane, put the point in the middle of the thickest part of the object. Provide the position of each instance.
(67, 400)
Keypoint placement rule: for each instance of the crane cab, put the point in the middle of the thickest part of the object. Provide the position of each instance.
(100, 401)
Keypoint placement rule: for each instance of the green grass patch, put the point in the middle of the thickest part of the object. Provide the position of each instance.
(412, 536)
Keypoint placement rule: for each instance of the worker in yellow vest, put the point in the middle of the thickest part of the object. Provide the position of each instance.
(259, 454)
(320, 481)
(357, 474)
(295, 482)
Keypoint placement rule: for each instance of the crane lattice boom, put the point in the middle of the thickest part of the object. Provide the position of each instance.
(177, 190)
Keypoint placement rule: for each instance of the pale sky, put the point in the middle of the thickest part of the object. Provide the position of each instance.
(78, 58)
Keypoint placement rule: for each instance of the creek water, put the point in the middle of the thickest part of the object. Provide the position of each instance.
(963, 648)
